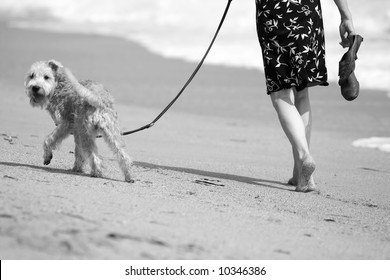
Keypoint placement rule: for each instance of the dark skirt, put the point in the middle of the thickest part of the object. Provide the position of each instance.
(291, 36)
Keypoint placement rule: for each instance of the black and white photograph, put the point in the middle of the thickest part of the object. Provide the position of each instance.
(195, 130)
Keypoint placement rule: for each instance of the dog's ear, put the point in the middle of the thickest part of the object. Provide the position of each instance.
(54, 65)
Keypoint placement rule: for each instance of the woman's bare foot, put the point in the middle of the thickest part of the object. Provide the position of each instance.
(294, 179)
(305, 181)
(312, 187)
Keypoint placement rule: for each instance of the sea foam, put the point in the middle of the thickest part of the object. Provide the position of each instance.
(379, 143)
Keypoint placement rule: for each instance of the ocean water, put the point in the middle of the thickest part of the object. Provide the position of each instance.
(379, 143)
(183, 28)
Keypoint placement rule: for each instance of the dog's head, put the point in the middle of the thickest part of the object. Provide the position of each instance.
(41, 81)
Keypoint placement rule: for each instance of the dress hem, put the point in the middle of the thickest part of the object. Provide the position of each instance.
(300, 88)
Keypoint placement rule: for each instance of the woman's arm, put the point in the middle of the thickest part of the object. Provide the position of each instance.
(346, 25)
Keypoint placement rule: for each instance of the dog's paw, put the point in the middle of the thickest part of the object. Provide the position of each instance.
(47, 158)
(130, 181)
(47, 152)
(128, 178)
(96, 173)
(77, 169)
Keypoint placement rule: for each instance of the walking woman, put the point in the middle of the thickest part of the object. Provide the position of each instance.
(291, 36)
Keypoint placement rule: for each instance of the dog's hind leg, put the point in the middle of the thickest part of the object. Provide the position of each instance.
(79, 154)
(112, 136)
(53, 140)
(91, 152)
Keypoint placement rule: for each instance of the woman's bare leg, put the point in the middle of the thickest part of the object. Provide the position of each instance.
(302, 103)
(297, 131)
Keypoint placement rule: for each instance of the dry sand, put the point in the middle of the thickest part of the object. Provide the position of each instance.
(210, 176)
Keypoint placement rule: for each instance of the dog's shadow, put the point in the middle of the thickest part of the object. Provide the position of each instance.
(43, 168)
(202, 173)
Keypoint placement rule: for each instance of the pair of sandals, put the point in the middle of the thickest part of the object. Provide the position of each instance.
(348, 82)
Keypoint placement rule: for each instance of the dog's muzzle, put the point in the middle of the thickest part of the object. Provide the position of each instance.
(36, 94)
(35, 89)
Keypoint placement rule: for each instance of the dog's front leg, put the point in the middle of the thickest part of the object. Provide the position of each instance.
(52, 140)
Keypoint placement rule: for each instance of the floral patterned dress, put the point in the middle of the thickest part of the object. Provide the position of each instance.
(291, 36)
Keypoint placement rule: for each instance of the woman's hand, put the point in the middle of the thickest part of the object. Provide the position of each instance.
(346, 25)
(346, 29)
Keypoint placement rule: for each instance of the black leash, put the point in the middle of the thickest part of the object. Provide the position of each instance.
(189, 80)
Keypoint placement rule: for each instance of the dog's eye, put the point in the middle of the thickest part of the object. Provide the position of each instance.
(46, 77)
(32, 76)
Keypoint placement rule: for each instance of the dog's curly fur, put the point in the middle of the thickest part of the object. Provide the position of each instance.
(84, 109)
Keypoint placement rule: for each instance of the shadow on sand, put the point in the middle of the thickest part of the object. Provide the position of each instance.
(203, 173)
(222, 176)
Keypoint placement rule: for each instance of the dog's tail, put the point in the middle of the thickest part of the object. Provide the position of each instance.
(84, 92)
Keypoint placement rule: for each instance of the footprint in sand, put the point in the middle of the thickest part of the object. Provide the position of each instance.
(6, 216)
(281, 251)
(9, 138)
(209, 182)
(10, 177)
(151, 241)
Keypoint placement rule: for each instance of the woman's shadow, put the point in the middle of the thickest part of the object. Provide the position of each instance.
(222, 176)
(208, 174)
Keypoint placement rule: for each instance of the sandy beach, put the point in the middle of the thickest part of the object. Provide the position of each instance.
(210, 175)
